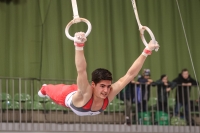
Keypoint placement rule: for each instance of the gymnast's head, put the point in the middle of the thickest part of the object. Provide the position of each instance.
(101, 82)
(101, 74)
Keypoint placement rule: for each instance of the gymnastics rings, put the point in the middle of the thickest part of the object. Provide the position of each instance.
(73, 22)
(77, 19)
(142, 28)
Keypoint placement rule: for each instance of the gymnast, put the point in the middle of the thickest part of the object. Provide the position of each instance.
(86, 98)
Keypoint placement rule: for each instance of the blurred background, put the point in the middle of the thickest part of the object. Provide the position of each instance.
(33, 42)
(34, 50)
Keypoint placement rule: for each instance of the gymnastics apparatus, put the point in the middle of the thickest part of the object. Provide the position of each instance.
(92, 99)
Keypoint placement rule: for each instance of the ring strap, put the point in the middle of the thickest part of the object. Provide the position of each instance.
(76, 19)
(136, 13)
(75, 9)
(142, 28)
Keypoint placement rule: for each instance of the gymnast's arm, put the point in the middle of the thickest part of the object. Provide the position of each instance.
(84, 89)
(133, 70)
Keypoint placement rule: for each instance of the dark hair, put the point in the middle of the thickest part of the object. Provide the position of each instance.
(184, 70)
(101, 74)
(162, 76)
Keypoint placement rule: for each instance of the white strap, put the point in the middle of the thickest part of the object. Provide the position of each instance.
(136, 13)
(142, 28)
(75, 9)
(77, 19)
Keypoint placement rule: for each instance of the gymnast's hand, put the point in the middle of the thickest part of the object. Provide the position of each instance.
(153, 45)
(79, 39)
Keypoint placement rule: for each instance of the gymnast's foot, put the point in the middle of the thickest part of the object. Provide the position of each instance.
(42, 92)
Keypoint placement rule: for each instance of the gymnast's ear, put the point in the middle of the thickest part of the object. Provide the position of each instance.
(93, 84)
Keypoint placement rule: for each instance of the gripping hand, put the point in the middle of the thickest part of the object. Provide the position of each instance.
(153, 45)
(79, 40)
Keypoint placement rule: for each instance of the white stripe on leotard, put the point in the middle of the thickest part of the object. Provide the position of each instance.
(68, 102)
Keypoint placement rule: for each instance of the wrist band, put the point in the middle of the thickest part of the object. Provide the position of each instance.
(79, 44)
(146, 51)
(144, 54)
(79, 48)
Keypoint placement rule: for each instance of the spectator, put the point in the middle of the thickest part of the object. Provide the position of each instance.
(164, 87)
(184, 82)
(143, 90)
(129, 100)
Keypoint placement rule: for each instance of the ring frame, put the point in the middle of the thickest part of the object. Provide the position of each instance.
(77, 20)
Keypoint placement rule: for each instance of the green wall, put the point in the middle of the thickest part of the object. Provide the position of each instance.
(33, 43)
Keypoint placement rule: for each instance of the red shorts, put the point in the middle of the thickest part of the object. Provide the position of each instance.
(58, 92)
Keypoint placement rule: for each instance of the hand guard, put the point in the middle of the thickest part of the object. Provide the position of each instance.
(79, 40)
(153, 45)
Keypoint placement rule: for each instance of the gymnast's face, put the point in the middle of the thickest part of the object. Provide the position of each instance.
(102, 89)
